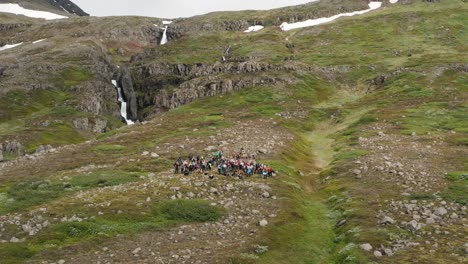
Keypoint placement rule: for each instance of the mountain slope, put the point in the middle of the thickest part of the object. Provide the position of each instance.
(364, 120)
(61, 6)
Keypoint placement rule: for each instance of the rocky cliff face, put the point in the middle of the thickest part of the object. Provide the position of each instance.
(162, 87)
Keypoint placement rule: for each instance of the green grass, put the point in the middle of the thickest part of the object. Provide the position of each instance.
(191, 211)
(457, 190)
(109, 148)
(36, 192)
(73, 75)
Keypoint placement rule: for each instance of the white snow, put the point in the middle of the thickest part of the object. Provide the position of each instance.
(18, 10)
(314, 22)
(167, 22)
(10, 46)
(393, 1)
(123, 104)
(254, 28)
(37, 41)
(164, 37)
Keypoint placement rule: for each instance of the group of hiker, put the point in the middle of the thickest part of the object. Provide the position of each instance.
(238, 165)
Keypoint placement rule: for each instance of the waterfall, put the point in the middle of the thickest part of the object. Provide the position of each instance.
(123, 104)
(164, 37)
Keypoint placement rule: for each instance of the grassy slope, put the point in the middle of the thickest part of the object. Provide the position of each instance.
(305, 232)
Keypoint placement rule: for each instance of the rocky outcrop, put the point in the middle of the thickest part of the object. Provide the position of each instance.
(43, 148)
(11, 26)
(201, 69)
(12, 147)
(95, 125)
(168, 86)
(211, 86)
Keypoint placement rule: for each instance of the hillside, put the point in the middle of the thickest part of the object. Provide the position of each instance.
(363, 120)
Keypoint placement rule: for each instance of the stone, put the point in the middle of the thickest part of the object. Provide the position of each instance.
(388, 252)
(377, 253)
(386, 220)
(266, 195)
(430, 220)
(440, 211)
(453, 216)
(61, 261)
(214, 190)
(414, 226)
(14, 240)
(263, 223)
(263, 150)
(366, 247)
(145, 153)
(154, 155)
(136, 251)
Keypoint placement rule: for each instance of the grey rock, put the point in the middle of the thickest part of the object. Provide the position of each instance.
(388, 252)
(263, 150)
(136, 251)
(386, 220)
(266, 194)
(440, 211)
(414, 226)
(377, 254)
(263, 223)
(366, 247)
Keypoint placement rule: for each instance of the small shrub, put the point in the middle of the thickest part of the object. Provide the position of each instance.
(191, 211)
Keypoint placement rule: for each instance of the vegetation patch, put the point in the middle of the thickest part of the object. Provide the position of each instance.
(191, 211)
(30, 193)
(458, 188)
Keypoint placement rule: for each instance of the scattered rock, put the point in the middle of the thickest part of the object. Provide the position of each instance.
(136, 251)
(377, 253)
(263, 223)
(386, 220)
(366, 247)
(440, 211)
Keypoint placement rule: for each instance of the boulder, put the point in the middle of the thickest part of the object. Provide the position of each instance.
(440, 211)
(386, 220)
(263, 223)
(366, 247)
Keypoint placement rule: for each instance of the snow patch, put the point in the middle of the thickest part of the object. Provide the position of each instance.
(18, 10)
(166, 22)
(254, 28)
(123, 104)
(10, 46)
(37, 41)
(393, 1)
(314, 22)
